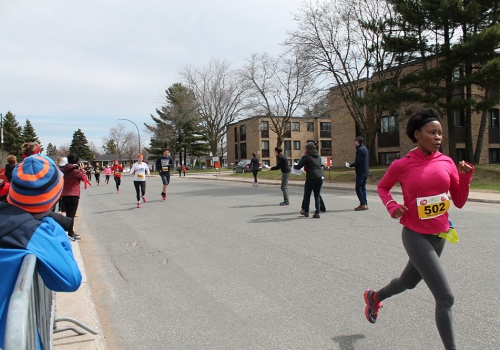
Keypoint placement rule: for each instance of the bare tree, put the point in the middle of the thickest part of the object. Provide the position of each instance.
(282, 87)
(125, 141)
(343, 41)
(220, 96)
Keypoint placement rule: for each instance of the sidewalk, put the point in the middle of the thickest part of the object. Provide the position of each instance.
(80, 305)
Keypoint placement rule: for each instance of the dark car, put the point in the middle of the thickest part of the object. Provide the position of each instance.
(244, 166)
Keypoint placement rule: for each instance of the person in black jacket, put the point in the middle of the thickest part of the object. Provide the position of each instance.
(254, 166)
(282, 164)
(361, 165)
(311, 162)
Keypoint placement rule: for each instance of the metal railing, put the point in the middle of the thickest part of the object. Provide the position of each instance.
(31, 315)
(31, 310)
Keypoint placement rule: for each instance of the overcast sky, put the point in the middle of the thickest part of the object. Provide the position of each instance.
(68, 64)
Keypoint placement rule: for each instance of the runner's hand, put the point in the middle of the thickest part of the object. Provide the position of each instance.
(463, 167)
(400, 212)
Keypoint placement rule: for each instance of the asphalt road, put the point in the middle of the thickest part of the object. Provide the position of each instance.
(220, 265)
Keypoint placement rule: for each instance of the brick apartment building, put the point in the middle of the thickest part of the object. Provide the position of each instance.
(391, 141)
(254, 135)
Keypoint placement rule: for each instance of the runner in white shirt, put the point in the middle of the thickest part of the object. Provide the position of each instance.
(140, 170)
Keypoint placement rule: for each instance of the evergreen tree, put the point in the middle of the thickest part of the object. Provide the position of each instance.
(110, 147)
(177, 121)
(79, 146)
(12, 141)
(28, 134)
(51, 150)
(455, 44)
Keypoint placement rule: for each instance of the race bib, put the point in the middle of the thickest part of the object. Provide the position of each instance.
(432, 206)
(140, 176)
(117, 173)
(164, 168)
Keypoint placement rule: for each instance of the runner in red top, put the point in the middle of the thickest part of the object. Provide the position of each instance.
(117, 170)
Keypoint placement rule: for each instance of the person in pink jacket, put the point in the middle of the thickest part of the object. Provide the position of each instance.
(427, 178)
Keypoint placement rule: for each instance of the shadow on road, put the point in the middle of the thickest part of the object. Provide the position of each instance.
(346, 342)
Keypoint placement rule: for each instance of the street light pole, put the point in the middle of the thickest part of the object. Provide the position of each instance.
(138, 134)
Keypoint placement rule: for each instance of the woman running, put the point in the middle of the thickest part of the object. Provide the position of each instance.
(107, 173)
(426, 176)
(117, 170)
(140, 170)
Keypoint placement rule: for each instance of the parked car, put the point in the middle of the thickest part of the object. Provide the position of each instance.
(243, 166)
(324, 162)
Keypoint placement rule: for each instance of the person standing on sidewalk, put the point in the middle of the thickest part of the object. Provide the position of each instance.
(254, 166)
(426, 176)
(282, 164)
(164, 164)
(140, 170)
(361, 165)
(30, 227)
(311, 162)
(117, 171)
(74, 173)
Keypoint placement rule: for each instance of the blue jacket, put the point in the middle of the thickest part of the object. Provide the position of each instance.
(362, 162)
(20, 234)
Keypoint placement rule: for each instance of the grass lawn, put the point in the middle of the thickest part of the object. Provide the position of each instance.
(486, 177)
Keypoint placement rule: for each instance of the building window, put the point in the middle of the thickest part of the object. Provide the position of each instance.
(388, 135)
(264, 129)
(296, 145)
(243, 133)
(493, 118)
(460, 153)
(236, 136)
(493, 123)
(359, 93)
(266, 162)
(310, 126)
(296, 126)
(236, 151)
(265, 149)
(386, 158)
(494, 155)
(458, 118)
(325, 130)
(326, 147)
(243, 150)
(459, 123)
(287, 130)
(287, 148)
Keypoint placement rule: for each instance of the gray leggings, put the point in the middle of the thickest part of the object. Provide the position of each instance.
(424, 252)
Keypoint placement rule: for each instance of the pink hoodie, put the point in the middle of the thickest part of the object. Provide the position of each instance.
(423, 176)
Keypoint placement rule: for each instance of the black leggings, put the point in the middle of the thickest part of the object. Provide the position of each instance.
(118, 181)
(255, 172)
(140, 185)
(71, 206)
(424, 252)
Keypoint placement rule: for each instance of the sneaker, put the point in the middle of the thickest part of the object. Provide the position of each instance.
(144, 199)
(305, 213)
(138, 204)
(361, 207)
(372, 305)
(316, 215)
(284, 203)
(164, 196)
(74, 237)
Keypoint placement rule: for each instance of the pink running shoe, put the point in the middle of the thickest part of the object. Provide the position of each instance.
(144, 199)
(372, 305)
(138, 204)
